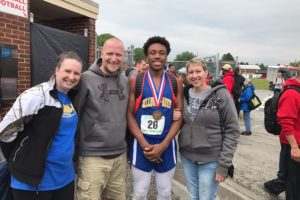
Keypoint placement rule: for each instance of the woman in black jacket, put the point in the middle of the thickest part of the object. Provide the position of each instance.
(38, 133)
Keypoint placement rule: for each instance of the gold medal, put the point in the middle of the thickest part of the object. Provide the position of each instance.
(157, 115)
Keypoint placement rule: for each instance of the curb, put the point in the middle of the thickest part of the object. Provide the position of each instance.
(227, 191)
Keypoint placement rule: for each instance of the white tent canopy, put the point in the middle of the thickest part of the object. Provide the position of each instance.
(249, 67)
(182, 70)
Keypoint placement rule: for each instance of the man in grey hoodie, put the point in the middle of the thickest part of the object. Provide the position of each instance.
(101, 105)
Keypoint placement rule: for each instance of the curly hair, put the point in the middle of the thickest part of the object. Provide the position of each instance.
(156, 39)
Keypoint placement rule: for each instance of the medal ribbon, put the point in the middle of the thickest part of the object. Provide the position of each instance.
(160, 92)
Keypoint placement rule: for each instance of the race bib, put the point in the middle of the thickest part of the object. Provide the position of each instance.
(150, 126)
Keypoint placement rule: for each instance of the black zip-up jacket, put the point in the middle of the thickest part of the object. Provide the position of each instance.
(31, 124)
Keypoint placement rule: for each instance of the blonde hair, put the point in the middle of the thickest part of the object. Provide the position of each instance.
(247, 81)
(198, 61)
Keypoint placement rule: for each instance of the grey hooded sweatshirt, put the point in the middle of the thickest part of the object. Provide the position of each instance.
(200, 140)
(101, 104)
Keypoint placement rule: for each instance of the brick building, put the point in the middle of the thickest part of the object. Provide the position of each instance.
(16, 17)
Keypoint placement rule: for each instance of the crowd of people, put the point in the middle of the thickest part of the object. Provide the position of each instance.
(85, 128)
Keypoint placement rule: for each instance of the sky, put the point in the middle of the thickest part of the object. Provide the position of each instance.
(255, 31)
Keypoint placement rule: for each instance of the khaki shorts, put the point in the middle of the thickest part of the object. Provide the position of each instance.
(101, 177)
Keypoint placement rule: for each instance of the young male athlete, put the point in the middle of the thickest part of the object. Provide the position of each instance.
(150, 122)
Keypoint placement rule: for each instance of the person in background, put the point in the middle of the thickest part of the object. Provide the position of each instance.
(278, 82)
(277, 185)
(208, 80)
(228, 79)
(172, 69)
(153, 147)
(101, 104)
(128, 70)
(240, 80)
(209, 135)
(246, 95)
(38, 133)
(184, 79)
(288, 116)
(140, 66)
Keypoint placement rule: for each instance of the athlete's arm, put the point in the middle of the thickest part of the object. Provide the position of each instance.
(131, 121)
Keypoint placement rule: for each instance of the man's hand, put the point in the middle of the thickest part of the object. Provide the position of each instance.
(295, 154)
(154, 152)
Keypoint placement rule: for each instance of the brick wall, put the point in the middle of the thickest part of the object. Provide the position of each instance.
(77, 26)
(14, 30)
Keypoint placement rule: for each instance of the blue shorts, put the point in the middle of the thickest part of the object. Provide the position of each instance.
(138, 160)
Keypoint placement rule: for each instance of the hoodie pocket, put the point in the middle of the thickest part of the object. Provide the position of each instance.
(193, 137)
(199, 138)
(106, 134)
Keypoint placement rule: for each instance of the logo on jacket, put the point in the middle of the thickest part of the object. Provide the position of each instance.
(105, 92)
(211, 103)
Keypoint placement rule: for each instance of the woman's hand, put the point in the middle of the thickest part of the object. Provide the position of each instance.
(220, 178)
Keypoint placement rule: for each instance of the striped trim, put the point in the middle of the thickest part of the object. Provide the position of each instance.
(134, 152)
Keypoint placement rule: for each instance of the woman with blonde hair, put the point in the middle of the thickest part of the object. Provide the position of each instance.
(209, 134)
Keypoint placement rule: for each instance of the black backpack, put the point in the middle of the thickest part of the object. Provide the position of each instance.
(270, 110)
(236, 89)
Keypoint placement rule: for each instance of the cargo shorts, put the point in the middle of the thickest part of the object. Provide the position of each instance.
(101, 177)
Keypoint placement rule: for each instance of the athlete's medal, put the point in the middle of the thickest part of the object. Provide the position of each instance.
(157, 115)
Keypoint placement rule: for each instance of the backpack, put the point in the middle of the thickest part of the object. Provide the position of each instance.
(139, 85)
(236, 89)
(270, 111)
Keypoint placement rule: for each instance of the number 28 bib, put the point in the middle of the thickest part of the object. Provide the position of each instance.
(151, 126)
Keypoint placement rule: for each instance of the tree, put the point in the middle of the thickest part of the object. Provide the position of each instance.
(262, 66)
(227, 57)
(244, 63)
(295, 63)
(138, 54)
(183, 58)
(102, 38)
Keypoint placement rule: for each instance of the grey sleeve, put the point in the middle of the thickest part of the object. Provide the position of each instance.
(231, 135)
(81, 96)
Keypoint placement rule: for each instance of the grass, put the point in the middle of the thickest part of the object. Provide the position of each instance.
(260, 84)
